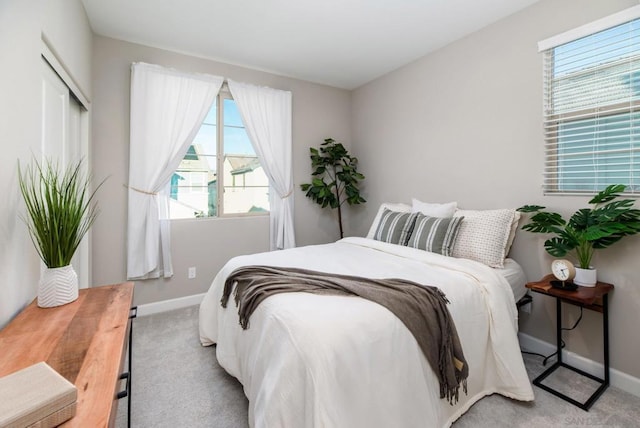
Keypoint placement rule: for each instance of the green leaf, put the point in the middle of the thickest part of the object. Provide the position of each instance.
(612, 210)
(599, 231)
(581, 219)
(530, 208)
(557, 247)
(608, 194)
(545, 222)
(606, 241)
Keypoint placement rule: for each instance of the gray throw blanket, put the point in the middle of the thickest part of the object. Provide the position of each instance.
(421, 308)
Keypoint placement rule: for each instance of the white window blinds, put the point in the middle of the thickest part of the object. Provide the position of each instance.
(592, 110)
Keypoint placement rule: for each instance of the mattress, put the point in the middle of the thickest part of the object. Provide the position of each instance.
(514, 275)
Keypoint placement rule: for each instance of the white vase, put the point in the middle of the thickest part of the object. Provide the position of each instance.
(586, 277)
(57, 287)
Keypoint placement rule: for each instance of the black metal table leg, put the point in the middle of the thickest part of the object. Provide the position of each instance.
(133, 314)
(604, 383)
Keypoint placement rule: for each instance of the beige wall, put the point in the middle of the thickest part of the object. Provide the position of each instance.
(22, 23)
(318, 112)
(66, 27)
(464, 124)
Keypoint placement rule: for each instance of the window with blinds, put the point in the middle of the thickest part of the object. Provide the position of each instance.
(592, 112)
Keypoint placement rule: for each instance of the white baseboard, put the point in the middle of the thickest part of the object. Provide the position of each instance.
(169, 305)
(618, 379)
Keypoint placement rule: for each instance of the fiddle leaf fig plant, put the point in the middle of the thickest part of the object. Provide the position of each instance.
(335, 178)
(589, 229)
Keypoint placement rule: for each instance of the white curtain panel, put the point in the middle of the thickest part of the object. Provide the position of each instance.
(266, 114)
(167, 109)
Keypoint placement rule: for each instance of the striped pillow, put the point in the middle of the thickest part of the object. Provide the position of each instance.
(395, 227)
(435, 234)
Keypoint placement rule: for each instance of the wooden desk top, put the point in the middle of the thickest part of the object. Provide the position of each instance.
(84, 341)
(589, 297)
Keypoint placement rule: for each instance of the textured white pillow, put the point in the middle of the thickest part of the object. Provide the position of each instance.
(512, 232)
(398, 207)
(484, 235)
(434, 210)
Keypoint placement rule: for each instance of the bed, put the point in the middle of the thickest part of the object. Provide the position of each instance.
(342, 361)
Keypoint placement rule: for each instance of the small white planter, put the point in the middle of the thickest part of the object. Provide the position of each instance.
(57, 287)
(586, 277)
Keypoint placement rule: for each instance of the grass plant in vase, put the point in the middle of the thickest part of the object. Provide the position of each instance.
(60, 209)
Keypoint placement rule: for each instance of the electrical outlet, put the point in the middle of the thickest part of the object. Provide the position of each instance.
(192, 272)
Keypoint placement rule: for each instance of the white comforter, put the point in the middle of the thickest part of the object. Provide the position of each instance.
(337, 361)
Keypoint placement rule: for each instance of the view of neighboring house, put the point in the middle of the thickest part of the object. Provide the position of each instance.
(246, 186)
(194, 185)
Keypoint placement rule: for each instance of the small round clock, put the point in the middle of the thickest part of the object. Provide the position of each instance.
(563, 270)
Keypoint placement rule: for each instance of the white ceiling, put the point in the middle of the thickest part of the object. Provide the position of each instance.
(342, 43)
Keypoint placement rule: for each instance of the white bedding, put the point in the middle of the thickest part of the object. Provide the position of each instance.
(515, 276)
(339, 361)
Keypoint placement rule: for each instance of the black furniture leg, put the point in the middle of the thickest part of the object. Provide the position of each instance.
(604, 383)
(133, 314)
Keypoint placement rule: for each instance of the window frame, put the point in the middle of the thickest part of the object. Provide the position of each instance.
(224, 94)
(552, 122)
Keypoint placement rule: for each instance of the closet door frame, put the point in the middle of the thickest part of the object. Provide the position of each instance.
(65, 136)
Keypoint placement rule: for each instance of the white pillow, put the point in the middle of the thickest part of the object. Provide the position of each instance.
(512, 233)
(434, 210)
(403, 208)
(484, 235)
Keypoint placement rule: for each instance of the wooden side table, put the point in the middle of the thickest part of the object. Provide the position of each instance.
(84, 341)
(592, 298)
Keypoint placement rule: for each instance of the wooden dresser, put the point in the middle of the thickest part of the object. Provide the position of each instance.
(85, 341)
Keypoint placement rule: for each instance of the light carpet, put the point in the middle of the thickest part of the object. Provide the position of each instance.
(178, 383)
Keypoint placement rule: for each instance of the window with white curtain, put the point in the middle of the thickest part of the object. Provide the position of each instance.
(220, 175)
(592, 107)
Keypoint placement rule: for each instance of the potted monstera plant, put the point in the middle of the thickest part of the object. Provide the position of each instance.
(60, 209)
(608, 220)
